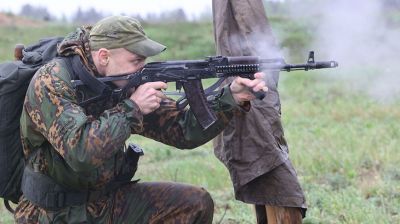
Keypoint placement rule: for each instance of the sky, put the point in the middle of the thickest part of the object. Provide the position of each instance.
(129, 7)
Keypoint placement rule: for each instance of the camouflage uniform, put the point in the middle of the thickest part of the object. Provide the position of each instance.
(83, 148)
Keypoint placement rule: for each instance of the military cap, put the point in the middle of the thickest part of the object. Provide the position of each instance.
(123, 32)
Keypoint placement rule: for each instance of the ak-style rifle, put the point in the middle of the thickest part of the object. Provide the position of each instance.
(187, 74)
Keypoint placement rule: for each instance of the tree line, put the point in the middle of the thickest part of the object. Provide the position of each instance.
(91, 15)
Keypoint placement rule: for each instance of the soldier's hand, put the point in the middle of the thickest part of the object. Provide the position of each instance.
(241, 87)
(149, 96)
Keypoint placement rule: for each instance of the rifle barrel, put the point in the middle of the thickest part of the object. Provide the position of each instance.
(309, 66)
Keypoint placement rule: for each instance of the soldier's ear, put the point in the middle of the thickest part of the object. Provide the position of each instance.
(103, 56)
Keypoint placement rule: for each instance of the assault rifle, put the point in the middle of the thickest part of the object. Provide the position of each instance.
(189, 73)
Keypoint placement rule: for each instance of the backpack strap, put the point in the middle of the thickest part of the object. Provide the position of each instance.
(8, 207)
(101, 89)
(78, 71)
(87, 78)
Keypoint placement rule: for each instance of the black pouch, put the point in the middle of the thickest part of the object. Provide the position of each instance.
(128, 169)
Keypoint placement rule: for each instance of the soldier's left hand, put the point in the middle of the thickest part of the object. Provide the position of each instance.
(241, 87)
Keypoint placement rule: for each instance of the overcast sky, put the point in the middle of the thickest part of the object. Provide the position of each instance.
(129, 7)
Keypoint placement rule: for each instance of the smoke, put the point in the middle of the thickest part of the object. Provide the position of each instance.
(357, 34)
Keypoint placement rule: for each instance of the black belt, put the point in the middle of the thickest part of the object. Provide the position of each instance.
(41, 190)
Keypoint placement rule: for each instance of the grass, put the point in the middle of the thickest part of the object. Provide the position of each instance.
(343, 143)
(344, 146)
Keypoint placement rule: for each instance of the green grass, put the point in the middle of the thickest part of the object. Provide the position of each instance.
(344, 145)
(345, 148)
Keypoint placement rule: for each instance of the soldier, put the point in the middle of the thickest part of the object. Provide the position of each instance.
(78, 168)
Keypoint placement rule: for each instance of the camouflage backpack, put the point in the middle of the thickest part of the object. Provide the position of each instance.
(14, 80)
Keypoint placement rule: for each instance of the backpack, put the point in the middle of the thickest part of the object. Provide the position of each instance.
(15, 77)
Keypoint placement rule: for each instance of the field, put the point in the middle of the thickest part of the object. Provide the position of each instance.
(343, 143)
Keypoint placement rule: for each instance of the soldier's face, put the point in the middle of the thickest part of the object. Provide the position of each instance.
(121, 61)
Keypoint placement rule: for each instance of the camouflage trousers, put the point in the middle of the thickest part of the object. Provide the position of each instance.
(152, 202)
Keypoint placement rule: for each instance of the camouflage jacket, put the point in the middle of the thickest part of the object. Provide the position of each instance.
(80, 149)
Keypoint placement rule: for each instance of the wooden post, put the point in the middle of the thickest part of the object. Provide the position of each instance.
(283, 215)
(261, 214)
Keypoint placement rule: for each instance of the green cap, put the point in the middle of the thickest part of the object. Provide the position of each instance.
(123, 32)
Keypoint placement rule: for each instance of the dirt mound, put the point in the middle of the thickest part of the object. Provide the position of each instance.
(12, 20)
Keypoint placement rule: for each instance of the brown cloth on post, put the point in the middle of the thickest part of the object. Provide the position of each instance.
(252, 146)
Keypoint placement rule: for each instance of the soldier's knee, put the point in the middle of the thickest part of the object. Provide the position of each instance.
(200, 200)
(207, 200)
(204, 207)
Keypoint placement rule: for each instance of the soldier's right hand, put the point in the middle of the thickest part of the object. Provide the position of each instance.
(149, 96)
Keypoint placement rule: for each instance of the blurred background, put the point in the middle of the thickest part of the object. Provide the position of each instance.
(342, 125)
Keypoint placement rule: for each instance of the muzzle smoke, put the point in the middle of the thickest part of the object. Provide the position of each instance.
(358, 35)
